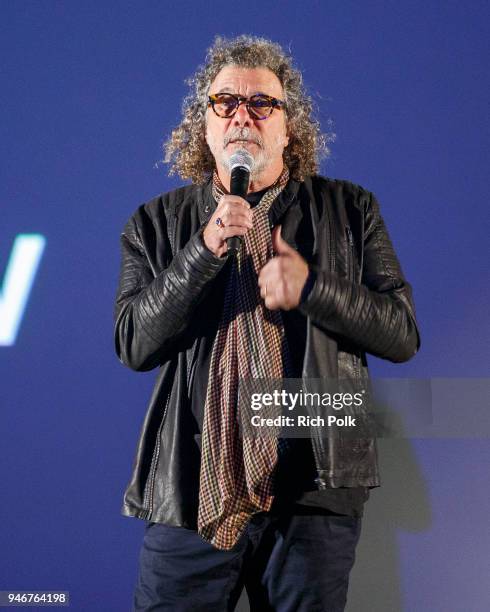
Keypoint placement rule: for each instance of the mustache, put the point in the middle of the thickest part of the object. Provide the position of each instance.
(242, 134)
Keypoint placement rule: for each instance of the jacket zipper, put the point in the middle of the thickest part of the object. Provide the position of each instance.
(351, 276)
(350, 253)
(331, 246)
(148, 496)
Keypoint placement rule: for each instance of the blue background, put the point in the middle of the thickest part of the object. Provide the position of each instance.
(89, 91)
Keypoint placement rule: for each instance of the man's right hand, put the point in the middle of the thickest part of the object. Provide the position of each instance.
(236, 219)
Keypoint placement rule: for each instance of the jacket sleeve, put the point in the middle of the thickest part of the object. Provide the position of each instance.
(378, 315)
(152, 312)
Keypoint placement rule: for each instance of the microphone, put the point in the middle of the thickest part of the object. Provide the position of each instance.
(241, 164)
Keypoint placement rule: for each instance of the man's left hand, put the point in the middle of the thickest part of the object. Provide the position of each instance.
(282, 279)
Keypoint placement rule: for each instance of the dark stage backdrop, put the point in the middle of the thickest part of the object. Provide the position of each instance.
(89, 91)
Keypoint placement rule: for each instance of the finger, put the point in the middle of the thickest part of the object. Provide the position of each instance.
(265, 276)
(280, 246)
(265, 290)
(269, 288)
(233, 200)
(231, 207)
(271, 302)
(272, 270)
(232, 212)
(232, 230)
(237, 218)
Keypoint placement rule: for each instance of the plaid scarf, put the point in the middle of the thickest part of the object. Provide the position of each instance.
(236, 479)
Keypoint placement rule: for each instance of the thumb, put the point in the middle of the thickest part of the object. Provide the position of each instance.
(280, 246)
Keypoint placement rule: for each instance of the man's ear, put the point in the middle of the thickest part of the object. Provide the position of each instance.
(205, 130)
(287, 136)
(205, 134)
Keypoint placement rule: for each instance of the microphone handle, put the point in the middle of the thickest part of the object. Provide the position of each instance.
(239, 181)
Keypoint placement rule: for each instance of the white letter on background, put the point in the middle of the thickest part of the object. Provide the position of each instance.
(19, 277)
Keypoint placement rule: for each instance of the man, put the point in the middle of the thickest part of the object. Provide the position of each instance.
(307, 300)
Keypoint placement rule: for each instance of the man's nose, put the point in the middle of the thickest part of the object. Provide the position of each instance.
(241, 118)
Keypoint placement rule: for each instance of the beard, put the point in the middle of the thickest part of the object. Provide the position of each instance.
(261, 156)
(243, 134)
(259, 161)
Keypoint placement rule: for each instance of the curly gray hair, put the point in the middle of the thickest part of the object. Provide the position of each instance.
(187, 151)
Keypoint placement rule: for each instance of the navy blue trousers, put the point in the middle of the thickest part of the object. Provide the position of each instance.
(288, 562)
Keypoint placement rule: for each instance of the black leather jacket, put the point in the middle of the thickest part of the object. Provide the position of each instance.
(360, 303)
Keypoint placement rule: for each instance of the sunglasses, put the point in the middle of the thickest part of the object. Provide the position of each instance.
(259, 106)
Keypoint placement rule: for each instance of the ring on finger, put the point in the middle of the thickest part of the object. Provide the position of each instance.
(219, 222)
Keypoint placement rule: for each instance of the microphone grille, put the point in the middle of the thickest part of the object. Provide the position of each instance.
(241, 158)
